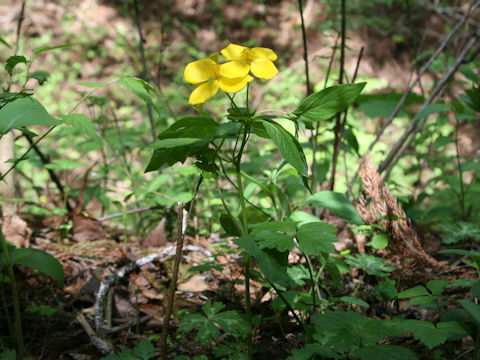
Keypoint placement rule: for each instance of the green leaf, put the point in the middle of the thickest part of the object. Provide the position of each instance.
(272, 263)
(274, 240)
(13, 61)
(354, 300)
(41, 49)
(383, 104)
(24, 112)
(232, 322)
(412, 292)
(471, 308)
(336, 203)
(229, 226)
(303, 217)
(316, 238)
(83, 125)
(327, 102)
(288, 146)
(379, 241)
(3, 42)
(373, 265)
(41, 76)
(64, 164)
(437, 286)
(428, 334)
(441, 141)
(431, 109)
(144, 350)
(197, 127)
(38, 260)
(174, 142)
(139, 87)
(421, 300)
(384, 352)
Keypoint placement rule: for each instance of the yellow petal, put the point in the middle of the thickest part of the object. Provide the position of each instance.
(203, 92)
(234, 69)
(233, 52)
(234, 85)
(199, 71)
(264, 53)
(264, 69)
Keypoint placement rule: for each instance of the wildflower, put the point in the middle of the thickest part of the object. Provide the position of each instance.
(258, 60)
(207, 75)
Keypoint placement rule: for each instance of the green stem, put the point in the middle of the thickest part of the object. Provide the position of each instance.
(16, 303)
(460, 175)
(244, 219)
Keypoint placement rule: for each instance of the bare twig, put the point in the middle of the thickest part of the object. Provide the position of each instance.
(182, 222)
(101, 344)
(414, 127)
(401, 102)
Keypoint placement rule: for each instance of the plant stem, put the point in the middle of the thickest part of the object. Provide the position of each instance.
(461, 198)
(244, 219)
(16, 302)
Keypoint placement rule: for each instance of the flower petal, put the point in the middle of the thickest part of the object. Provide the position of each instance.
(264, 69)
(234, 85)
(264, 53)
(199, 71)
(233, 52)
(234, 69)
(203, 92)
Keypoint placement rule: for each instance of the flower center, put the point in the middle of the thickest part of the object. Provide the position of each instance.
(247, 54)
(215, 71)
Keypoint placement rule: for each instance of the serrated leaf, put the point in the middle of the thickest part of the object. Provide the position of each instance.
(327, 102)
(145, 350)
(316, 238)
(24, 111)
(83, 125)
(336, 203)
(412, 292)
(13, 61)
(272, 263)
(428, 334)
(274, 240)
(288, 146)
(373, 265)
(232, 322)
(40, 261)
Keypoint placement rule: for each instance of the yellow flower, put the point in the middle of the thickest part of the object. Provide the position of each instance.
(206, 74)
(243, 59)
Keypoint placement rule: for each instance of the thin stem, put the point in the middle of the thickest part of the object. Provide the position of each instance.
(16, 302)
(305, 50)
(144, 64)
(339, 125)
(460, 174)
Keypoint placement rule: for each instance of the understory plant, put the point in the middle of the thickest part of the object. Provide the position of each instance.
(265, 232)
